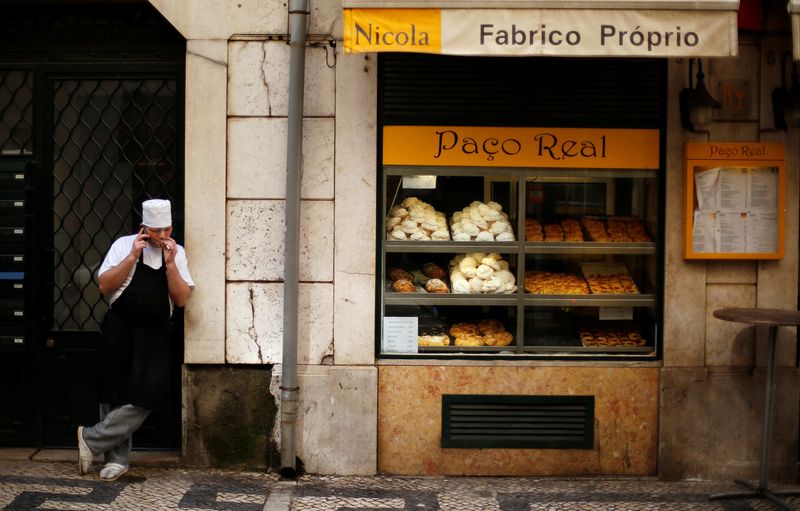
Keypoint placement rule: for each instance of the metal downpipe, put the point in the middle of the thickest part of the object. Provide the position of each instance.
(298, 16)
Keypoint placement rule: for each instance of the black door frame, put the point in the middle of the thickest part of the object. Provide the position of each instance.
(39, 254)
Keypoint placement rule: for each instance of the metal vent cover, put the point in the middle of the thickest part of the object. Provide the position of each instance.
(543, 422)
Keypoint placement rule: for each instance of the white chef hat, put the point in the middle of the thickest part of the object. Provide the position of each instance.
(157, 213)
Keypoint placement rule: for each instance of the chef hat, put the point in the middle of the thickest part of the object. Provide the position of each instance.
(156, 213)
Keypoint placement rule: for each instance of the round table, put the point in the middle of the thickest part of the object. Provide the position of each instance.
(772, 318)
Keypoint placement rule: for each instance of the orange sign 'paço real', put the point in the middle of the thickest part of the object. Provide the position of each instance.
(521, 147)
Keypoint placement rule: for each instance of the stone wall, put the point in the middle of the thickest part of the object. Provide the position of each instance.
(236, 121)
(712, 382)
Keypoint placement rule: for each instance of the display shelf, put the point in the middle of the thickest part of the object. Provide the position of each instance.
(577, 350)
(500, 247)
(588, 247)
(391, 298)
(604, 300)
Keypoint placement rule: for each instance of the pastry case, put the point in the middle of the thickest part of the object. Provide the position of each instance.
(509, 262)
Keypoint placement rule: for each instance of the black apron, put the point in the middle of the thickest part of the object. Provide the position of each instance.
(135, 351)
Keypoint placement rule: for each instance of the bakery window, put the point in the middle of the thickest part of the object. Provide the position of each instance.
(520, 262)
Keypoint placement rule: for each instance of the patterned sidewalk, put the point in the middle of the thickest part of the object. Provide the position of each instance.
(26, 485)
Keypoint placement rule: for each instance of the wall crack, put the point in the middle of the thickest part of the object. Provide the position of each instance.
(252, 330)
(264, 77)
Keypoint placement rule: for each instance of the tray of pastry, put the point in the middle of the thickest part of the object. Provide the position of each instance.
(608, 278)
(554, 283)
(487, 332)
(613, 335)
(593, 235)
(429, 278)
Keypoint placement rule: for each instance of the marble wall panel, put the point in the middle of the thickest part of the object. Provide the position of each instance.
(255, 321)
(356, 168)
(409, 420)
(257, 158)
(256, 240)
(259, 80)
(336, 431)
(728, 343)
(354, 318)
(205, 237)
(356, 196)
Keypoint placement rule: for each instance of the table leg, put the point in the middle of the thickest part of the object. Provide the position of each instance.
(766, 439)
(762, 490)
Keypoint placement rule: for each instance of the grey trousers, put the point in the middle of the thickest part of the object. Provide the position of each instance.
(112, 435)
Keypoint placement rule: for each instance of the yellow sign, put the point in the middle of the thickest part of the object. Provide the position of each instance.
(735, 200)
(521, 147)
(555, 31)
(748, 151)
(401, 30)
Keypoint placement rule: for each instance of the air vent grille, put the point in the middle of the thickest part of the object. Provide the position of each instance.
(546, 422)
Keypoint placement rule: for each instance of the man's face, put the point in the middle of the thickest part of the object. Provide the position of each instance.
(157, 235)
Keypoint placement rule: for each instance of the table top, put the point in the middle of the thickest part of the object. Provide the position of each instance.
(766, 317)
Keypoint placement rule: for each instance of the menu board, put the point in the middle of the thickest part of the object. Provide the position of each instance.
(735, 201)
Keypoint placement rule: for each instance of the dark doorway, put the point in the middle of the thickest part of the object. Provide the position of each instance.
(91, 124)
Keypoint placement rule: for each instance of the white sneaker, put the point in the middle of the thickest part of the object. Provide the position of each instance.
(112, 471)
(85, 455)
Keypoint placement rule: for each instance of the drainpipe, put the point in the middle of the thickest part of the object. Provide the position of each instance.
(298, 16)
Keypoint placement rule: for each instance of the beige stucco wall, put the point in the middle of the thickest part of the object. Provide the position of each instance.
(236, 97)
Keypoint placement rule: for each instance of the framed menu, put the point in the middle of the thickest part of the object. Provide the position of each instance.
(735, 200)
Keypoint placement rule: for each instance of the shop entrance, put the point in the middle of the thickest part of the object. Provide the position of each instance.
(90, 126)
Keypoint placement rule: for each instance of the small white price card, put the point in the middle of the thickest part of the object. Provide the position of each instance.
(616, 313)
(400, 334)
(420, 182)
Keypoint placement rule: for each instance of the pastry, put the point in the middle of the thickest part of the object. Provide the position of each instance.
(468, 340)
(489, 326)
(467, 276)
(416, 220)
(404, 286)
(433, 271)
(433, 340)
(462, 329)
(550, 283)
(436, 286)
(612, 284)
(481, 222)
(397, 274)
(498, 339)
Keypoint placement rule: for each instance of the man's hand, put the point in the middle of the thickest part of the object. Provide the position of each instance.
(139, 243)
(169, 248)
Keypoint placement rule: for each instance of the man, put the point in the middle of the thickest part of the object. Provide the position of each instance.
(143, 276)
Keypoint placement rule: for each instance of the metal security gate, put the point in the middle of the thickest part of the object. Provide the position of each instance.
(81, 145)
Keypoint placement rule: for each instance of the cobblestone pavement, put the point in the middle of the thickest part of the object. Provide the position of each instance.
(26, 485)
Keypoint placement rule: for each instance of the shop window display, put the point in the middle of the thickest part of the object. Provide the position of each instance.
(509, 262)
